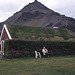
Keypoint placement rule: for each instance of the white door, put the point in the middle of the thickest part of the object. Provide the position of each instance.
(2, 48)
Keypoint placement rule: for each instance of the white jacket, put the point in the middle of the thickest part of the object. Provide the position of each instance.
(44, 51)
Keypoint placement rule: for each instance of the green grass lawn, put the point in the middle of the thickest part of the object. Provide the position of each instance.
(60, 65)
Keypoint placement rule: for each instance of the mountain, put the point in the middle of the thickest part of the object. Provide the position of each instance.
(38, 15)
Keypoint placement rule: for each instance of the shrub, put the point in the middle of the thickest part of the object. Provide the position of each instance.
(21, 48)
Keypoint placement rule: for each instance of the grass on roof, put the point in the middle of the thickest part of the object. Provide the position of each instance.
(36, 33)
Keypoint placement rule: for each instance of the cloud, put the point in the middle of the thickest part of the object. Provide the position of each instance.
(64, 7)
(9, 7)
(4, 16)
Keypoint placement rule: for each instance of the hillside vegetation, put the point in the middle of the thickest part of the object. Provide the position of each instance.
(38, 33)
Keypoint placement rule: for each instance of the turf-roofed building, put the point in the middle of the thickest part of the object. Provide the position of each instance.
(27, 33)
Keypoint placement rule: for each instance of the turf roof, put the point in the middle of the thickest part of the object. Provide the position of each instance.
(36, 33)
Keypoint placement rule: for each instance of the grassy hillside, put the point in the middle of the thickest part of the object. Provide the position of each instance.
(63, 65)
(38, 33)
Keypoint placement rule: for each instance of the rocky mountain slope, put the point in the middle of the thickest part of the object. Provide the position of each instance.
(38, 15)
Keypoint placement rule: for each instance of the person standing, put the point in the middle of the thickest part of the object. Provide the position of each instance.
(38, 53)
(45, 52)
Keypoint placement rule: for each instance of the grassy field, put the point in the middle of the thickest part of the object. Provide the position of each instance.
(60, 65)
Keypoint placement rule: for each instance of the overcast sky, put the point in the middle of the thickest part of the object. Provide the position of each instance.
(9, 7)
